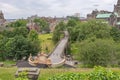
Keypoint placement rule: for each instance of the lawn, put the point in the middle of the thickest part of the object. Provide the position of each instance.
(45, 74)
(7, 73)
(46, 43)
(48, 73)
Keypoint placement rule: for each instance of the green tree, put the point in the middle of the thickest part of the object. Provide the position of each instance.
(21, 31)
(71, 23)
(58, 31)
(18, 23)
(115, 33)
(19, 47)
(33, 35)
(16, 31)
(3, 41)
(35, 42)
(96, 52)
(82, 30)
(7, 33)
(56, 36)
(18, 43)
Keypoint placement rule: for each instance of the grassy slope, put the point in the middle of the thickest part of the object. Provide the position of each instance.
(46, 42)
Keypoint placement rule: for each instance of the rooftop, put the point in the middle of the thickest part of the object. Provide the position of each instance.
(106, 15)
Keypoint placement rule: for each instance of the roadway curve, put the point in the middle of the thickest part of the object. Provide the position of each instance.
(57, 56)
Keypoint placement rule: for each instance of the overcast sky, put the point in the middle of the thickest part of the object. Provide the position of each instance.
(25, 8)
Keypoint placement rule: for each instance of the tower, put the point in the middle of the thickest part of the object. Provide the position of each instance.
(2, 19)
(117, 7)
(1, 15)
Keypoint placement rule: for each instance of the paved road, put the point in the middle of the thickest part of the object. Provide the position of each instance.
(56, 55)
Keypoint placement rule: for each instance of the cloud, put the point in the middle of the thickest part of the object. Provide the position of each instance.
(25, 8)
(8, 8)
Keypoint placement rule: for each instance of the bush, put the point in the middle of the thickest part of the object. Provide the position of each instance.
(99, 73)
(22, 76)
(70, 76)
(97, 52)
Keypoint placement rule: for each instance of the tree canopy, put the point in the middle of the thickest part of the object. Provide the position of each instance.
(18, 43)
(43, 24)
(18, 23)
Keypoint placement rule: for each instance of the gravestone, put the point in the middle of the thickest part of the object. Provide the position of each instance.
(32, 73)
(1, 64)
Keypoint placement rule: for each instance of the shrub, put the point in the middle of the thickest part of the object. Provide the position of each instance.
(99, 73)
(97, 52)
(69, 76)
(22, 76)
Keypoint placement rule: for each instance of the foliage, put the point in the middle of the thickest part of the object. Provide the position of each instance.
(18, 23)
(115, 33)
(21, 31)
(99, 73)
(16, 31)
(56, 36)
(33, 35)
(18, 43)
(96, 42)
(22, 76)
(71, 23)
(43, 24)
(19, 47)
(3, 48)
(58, 32)
(70, 76)
(34, 40)
(82, 30)
(97, 52)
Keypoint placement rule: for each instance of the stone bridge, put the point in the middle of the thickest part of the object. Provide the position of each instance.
(57, 57)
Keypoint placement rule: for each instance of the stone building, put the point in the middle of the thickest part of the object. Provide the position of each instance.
(33, 26)
(117, 11)
(92, 15)
(112, 18)
(95, 13)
